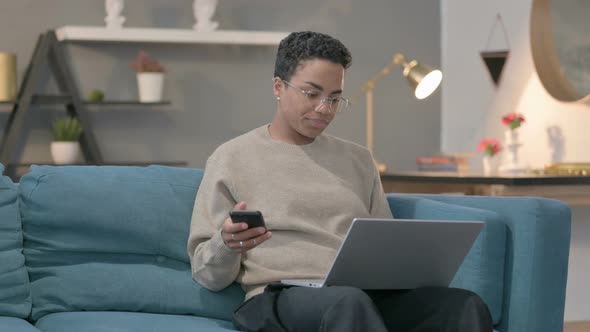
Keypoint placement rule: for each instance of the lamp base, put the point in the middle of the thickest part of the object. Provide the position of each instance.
(381, 167)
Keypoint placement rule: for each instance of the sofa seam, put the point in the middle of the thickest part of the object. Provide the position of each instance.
(533, 256)
(37, 184)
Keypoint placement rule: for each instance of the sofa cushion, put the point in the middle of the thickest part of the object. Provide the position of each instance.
(110, 238)
(482, 270)
(15, 295)
(13, 324)
(129, 321)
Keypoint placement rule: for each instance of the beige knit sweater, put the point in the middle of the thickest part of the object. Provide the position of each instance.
(308, 195)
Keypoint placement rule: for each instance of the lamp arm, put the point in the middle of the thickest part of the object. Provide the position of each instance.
(367, 90)
(397, 59)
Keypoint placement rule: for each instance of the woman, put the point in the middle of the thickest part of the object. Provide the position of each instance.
(309, 186)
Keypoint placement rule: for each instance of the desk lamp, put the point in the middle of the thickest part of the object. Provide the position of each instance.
(423, 80)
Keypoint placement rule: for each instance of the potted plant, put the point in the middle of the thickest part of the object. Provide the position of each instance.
(96, 95)
(490, 147)
(150, 78)
(65, 147)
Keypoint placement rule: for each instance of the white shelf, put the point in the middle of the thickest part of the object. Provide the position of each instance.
(151, 35)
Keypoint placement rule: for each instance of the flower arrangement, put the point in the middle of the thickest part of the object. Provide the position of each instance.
(489, 146)
(513, 120)
(144, 64)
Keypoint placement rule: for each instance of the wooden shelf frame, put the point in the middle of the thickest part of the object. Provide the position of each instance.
(65, 100)
(47, 56)
(178, 36)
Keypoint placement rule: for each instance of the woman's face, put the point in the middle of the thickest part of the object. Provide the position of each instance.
(302, 116)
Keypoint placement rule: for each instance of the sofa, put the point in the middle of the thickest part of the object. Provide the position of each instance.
(103, 248)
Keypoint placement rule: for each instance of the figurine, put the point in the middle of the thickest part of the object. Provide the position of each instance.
(203, 11)
(114, 8)
(556, 143)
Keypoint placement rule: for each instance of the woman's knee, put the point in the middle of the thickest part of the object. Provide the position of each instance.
(351, 310)
(468, 297)
(470, 310)
(351, 295)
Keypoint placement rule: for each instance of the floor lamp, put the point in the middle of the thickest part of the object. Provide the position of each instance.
(423, 79)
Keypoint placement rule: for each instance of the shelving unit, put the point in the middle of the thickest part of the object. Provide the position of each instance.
(49, 54)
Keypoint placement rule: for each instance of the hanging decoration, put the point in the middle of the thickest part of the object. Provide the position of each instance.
(496, 59)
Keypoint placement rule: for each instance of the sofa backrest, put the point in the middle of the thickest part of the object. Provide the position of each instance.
(15, 295)
(114, 238)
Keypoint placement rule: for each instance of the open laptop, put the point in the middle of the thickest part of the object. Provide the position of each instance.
(399, 254)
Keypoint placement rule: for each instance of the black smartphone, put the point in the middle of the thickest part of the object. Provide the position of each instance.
(252, 218)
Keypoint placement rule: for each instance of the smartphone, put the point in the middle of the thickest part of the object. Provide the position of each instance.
(252, 218)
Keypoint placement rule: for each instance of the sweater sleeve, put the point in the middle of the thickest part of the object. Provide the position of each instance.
(379, 205)
(213, 264)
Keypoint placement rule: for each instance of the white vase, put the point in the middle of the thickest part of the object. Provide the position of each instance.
(490, 165)
(511, 162)
(150, 87)
(511, 136)
(65, 152)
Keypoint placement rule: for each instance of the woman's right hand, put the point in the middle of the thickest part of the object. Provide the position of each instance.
(238, 237)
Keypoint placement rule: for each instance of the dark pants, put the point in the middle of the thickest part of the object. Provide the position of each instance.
(337, 308)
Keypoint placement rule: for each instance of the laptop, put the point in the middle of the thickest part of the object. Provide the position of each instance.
(399, 254)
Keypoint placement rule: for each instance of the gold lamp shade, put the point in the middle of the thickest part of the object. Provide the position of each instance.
(423, 79)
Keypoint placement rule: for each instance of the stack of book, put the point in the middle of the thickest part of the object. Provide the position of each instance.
(438, 164)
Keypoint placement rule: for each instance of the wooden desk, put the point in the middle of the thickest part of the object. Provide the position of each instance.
(573, 190)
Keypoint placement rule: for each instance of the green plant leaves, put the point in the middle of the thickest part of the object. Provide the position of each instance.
(66, 129)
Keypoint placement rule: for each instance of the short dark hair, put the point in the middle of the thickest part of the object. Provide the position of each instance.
(305, 45)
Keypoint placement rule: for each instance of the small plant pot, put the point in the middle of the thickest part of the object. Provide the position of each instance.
(150, 87)
(64, 153)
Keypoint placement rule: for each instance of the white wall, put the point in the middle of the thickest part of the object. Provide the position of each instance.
(472, 109)
(471, 105)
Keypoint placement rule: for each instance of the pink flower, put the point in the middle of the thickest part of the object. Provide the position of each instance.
(513, 120)
(489, 146)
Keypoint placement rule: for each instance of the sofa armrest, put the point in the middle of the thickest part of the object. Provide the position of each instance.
(482, 270)
(537, 252)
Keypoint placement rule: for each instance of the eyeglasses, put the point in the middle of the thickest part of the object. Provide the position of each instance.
(333, 104)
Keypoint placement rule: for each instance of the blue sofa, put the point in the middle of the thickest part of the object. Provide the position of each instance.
(90, 249)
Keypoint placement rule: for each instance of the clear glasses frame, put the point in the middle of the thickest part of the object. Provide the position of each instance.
(333, 104)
